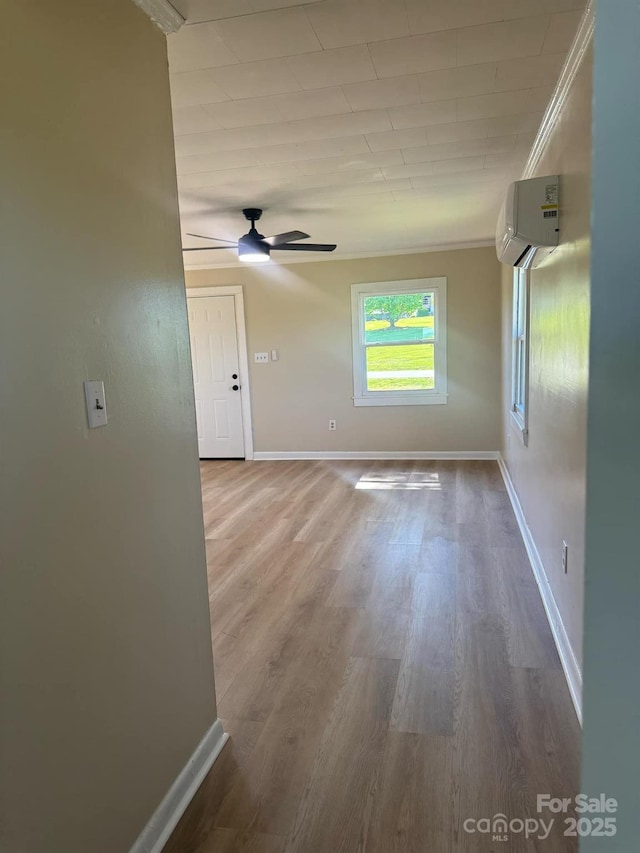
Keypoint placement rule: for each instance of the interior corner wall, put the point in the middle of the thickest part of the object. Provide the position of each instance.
(611, 741)
(105, 652)
(304, 311)
(549, 474)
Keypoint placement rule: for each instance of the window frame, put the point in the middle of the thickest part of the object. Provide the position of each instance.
(434, 396)
(520, 338)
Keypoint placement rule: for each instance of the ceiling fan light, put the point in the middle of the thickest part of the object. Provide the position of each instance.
(253, 256)
(252, 251)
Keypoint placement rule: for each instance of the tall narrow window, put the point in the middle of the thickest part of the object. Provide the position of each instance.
(520, 358)
(399, 342)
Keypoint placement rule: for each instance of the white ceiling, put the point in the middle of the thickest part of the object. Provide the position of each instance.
(381, 125)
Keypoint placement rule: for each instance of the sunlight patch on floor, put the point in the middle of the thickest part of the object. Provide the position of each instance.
(407, 482)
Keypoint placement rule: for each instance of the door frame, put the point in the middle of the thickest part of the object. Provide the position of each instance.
(237, 291)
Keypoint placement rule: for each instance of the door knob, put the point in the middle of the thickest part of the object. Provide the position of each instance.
(235, 387)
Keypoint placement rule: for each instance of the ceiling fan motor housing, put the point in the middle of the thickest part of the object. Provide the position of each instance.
(253, 244)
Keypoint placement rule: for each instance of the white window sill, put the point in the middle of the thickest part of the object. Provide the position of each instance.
(519, 427)
(401, 400)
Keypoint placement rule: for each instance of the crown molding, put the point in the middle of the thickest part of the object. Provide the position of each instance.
(350, 256)
(162, 13)
(570, 68)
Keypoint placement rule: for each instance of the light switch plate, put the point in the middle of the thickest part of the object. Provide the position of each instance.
(96, 403)
(261, 357)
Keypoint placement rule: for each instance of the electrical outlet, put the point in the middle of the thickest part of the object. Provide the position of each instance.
(332, 424)
(565, 557)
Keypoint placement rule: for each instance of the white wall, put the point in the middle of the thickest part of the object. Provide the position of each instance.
(549, 474)
(105, 652)
(304, 311)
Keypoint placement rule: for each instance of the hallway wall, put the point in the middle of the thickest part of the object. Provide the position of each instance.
(611, 744)
(549, 473)
(105, 652)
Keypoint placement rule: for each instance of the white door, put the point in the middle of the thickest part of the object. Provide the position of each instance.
(216, 376)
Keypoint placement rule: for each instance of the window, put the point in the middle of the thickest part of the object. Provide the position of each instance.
(399, 342)
(520, 352)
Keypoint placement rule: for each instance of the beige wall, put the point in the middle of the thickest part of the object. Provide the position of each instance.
(549, 474)
(304, 311)
(107, 683)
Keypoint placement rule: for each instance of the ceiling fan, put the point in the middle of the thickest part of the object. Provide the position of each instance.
(254, 247)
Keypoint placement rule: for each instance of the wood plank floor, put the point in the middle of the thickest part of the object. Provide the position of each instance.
(383, 663)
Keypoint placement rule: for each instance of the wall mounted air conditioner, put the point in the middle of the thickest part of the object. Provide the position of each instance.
(528, 223)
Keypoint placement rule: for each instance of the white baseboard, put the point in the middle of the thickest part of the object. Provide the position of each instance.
(165, 818)
(271, 455)
(567, 657)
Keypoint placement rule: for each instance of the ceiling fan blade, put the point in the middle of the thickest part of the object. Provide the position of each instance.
(208, 248)
(218, 239)
(287, 237)
(305, 247)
